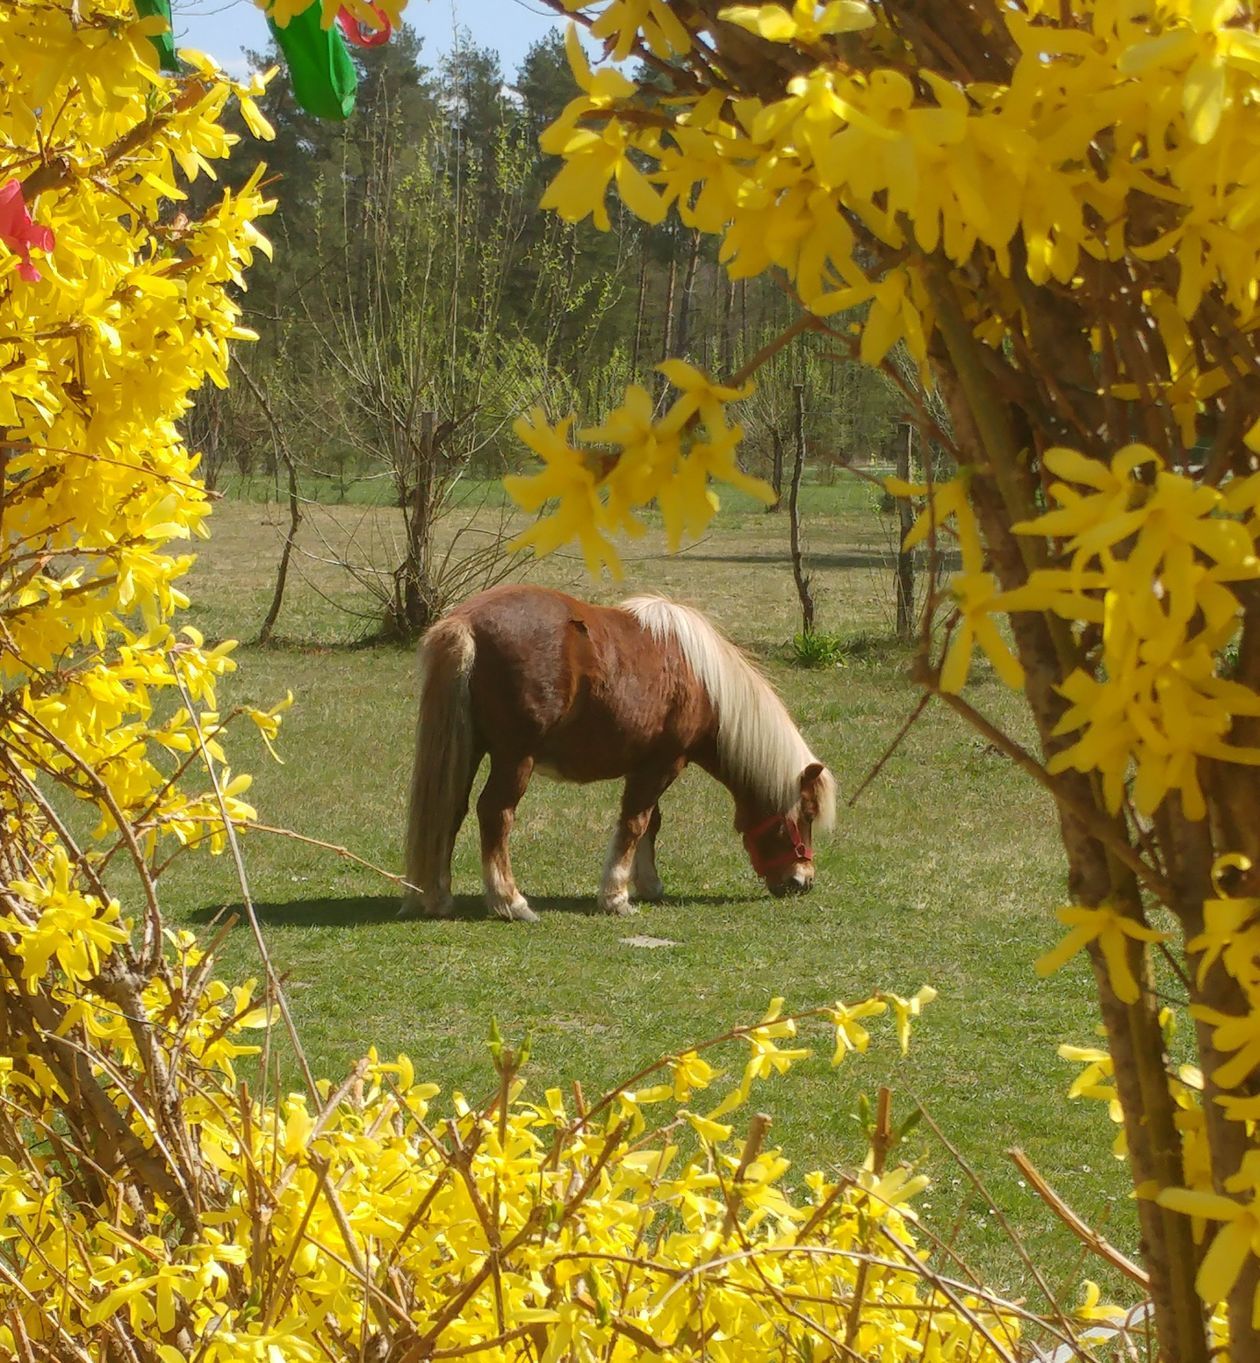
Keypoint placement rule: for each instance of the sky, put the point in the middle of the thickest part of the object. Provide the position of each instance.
(223, 28)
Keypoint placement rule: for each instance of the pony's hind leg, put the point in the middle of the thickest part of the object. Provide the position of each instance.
(639, 817)
(496, 812)
(645, 879)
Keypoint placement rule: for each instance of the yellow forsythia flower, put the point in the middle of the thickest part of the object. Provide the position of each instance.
(1113, 931)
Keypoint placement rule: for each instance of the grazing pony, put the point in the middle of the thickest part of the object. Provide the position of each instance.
(543, 682)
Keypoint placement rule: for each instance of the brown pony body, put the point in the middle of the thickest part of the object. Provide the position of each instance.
(542, 682)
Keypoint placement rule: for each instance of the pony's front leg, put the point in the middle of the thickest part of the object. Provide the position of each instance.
(645, 879)
(639, 816)
(496, 813)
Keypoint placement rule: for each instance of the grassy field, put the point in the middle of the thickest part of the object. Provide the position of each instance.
(945, 872)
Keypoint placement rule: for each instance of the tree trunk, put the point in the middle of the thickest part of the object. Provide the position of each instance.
(280, 445)
(905, 558)
(743, 320)
(290, 538)
(667, 331)
(794, 514)
(776, 471)
(984, 427)
(416, 607)
(637, 347)
(684, 302)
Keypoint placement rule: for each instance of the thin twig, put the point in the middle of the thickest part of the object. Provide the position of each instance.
(757, 1129)
(254, 827)
(273, 982)
(805, 322)
(1089, 1237)
(897, 741)
(1025, 1258)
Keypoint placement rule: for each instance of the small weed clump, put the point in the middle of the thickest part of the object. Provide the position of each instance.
(818, 648)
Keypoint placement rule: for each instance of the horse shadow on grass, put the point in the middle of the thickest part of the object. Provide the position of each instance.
(379, 910)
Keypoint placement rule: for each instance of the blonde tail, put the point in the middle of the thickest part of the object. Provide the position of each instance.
(445, 764)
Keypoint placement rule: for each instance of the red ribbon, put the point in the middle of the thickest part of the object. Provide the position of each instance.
(18, 232)
(361, 36)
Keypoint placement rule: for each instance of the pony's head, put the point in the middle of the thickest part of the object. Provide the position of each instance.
(782, 792)
(781, 844)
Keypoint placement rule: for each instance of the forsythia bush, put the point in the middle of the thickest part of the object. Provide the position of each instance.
(153, 1205)
(1051, 208)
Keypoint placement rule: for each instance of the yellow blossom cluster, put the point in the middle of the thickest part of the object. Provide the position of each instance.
(117, 301)
(1152, 555)
(1149, 558)
(975, 589)
(621, 22)
(1096, 1080)
(933, 165)
(119, 314)
(155, 1205)
(1051, 206)
(669, 459)
(513, 1229)
(937, 171)
(1109, 929)
(1230, 937)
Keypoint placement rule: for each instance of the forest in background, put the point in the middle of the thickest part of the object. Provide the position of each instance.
(420, 299)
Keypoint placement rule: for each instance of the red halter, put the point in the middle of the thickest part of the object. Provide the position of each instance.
(799, 850)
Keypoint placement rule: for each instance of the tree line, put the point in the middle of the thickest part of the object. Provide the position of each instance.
(420, 300)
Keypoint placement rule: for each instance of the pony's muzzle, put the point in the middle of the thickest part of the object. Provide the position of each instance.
(801, 881)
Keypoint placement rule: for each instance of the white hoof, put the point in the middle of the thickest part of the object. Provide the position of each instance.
(513, 911)
(617, 904)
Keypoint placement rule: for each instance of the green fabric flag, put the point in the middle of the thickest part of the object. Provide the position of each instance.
(164, 42)
(323, 76)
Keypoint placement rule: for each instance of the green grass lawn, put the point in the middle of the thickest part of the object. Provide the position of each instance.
(366, 488)
(946, 872)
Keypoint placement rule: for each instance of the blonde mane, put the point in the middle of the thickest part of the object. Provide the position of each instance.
(760, 749)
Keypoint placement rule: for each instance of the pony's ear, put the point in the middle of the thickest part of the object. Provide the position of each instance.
(809, 789)
(818, 794)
